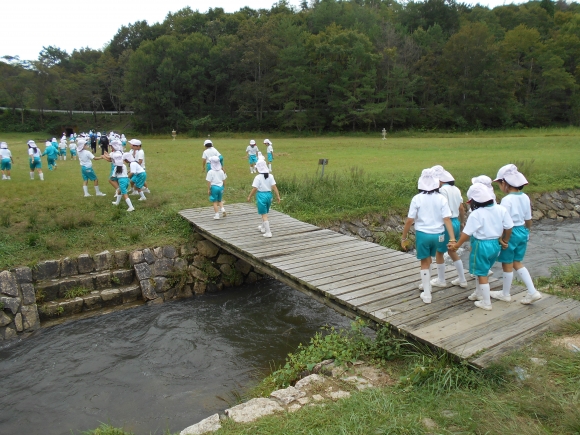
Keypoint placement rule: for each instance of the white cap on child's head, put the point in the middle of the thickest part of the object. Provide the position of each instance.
(428, 181)
(262, 167)
(479, 192)
(3, 145)
(215, 163)
(511, 175)
(252, 142)
(135, 142)
(208, 143)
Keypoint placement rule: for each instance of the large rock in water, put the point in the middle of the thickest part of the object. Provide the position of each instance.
(210, 424)
(253, 409)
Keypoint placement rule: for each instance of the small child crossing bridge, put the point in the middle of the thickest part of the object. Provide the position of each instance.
(363, 279)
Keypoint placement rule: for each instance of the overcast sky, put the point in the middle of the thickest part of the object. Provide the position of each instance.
(28, 25)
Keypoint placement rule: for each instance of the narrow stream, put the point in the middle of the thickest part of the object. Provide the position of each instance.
(165, 367)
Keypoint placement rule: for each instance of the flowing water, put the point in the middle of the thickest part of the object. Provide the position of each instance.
(165, 367)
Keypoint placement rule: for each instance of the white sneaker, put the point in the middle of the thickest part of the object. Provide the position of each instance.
(459, 283)
(435, 283)
(146, 190)
(114, 203)
(480, 304)
(142, 199)
(425, 298)
(131, 209)
(216, 216)
(261, 228)
(223, 210)
(527, 300)
(267, 235)
(499, 296)
(101, 194)
(475, 297)
(88, 194)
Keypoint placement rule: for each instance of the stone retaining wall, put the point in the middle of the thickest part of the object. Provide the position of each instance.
(31, 295)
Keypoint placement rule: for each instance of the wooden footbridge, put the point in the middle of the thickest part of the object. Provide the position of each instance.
(363, 279)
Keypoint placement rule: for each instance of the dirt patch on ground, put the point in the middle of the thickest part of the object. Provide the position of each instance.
(571, 342)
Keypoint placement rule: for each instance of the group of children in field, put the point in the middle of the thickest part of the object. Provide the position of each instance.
(496, 232)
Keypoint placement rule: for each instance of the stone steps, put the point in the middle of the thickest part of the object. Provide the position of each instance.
(53, 289)
(95, 300)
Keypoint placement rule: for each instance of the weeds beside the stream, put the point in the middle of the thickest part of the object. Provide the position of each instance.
(564, 281)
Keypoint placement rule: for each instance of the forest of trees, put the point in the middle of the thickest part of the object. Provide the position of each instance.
(330, 66)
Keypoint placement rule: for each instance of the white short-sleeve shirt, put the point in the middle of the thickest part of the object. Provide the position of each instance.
(428, 210)
(216, 178)
(264, 184)
(270, 149)
(519, 207)
(253, 151)
(488, 223)
(86, 158)
(62, 144)
(136, 168)
(453, 196)
(123, 173)
(5, 153)
(31, 152)
(140, 155)
(210, 152)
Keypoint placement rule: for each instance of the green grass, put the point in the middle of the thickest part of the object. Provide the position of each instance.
(76, 292)
(564, 281)
(365, 175)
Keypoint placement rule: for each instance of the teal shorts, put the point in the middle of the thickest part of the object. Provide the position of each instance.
(139, 179)
(88, 174)
(456, 230)
(62, 151)
(123, 185)
(270, 157)
(253, 159)
(216, 193)
(483, 256)
(73, 152)
(517, 246)
(51, 163)
(427, 245)
(263, 201)
(35, 163)
(6, 165)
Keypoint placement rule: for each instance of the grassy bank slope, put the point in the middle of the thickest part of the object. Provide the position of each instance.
(50, 219)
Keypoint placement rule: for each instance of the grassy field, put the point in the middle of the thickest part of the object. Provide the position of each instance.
(52, 219)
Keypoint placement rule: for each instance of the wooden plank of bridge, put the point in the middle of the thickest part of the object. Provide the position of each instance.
(359, 278)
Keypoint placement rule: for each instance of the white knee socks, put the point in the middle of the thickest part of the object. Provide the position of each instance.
(32, 175)
(270, 166)
(41, 177)
(97, 190)
(441, 272)
(485, 293)
(426, 281)
(86, 190)
(507, 283)
(527, 279)
(460, 272)
(266, 226)
(129, 203)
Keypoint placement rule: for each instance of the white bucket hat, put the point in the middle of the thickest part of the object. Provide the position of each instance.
(261, 156)
(215, 163)
(511, 175)
(129, 157)
(428, 181)
(479, 192)
(117, 145)
(81, 144)
(208, 142)
(252, 142)
(262, 167)
(135, 142)
(443, 175)
(267, 141)
(3, 145)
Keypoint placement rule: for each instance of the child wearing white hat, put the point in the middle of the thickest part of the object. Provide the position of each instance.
(72, 147)
(215, 186)
(269, 153)
(252, 152)
(115, 154)
(430, 213)
(6, 161)
(120, 173)
(62, 149)
(455, 201)
(519, 207)
(139, 156)
(34, 156)
(86, 161)
(262, 187)
(209, 152)
(137, 176)
(51, 154)
(489, 227)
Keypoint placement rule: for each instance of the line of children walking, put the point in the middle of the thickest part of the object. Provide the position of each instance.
(496, 232)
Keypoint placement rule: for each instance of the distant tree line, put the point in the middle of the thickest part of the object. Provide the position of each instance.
(330, 66)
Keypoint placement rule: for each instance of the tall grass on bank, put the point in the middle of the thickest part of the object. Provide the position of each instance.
(564, 281)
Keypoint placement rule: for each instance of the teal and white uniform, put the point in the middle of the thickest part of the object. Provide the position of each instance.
(211, 152)
(6, 159)
(428, 212)
(123, 180)
(520, 210)
(454, 199)
(264, 193)
(252, 151)
(114, 155)
(139, 176)
(86, 161)
(485, 226)
(216, 179)
(34, 156)
(62, 147)
(270, 152)
(72, 147)
(51, 154)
